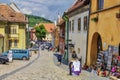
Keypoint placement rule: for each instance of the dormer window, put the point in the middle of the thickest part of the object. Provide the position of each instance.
(12, 14)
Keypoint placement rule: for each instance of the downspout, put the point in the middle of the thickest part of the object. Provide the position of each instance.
(88, 31)
(65, 17)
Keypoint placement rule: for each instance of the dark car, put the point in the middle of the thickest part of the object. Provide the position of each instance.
(3, 59)
(34, 48)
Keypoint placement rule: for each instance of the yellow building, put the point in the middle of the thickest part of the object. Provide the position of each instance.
(2, 35)
(13, 28)
(56, 37)
(104, 27)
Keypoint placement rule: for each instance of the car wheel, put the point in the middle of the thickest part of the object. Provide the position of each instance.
(24, 58)
(3, 62)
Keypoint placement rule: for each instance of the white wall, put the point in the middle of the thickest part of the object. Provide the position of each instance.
(79, 38)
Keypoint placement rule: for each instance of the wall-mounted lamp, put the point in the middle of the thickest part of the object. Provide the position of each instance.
(118, 14)
(95, 19)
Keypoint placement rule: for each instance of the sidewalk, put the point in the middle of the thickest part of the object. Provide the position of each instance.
(85, 75)
(16, 64)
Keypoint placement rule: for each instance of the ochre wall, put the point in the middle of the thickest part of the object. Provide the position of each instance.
(108, 27)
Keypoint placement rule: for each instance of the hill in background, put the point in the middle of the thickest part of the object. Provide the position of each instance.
(33, 20)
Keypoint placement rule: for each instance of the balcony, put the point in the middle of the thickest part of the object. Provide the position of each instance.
(13, 35)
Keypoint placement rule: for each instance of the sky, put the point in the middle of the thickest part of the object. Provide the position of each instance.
(48, 9)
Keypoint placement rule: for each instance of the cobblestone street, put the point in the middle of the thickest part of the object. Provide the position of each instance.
(44, 68)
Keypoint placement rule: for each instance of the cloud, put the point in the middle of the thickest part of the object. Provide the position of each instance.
(26, 11)
(45, 8)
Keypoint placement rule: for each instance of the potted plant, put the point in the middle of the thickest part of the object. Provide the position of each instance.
(95, 19)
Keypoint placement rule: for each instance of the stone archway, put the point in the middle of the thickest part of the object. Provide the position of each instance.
(96, 47)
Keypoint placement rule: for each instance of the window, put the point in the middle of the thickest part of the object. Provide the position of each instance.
(10, 43)
(13, 30)
(79, 24)
(72, 25)
(15, 43)
(85, 23)
(78, 50)
(100, 4)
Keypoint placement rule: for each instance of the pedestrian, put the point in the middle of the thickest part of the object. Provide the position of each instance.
(74, 55)
(76, 68)
(10, 56)
(59, 57)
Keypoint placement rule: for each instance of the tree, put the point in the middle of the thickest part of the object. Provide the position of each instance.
(40, 32)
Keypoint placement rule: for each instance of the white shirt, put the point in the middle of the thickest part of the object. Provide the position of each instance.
(76, 65)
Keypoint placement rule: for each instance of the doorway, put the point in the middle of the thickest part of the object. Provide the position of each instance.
(96, 47)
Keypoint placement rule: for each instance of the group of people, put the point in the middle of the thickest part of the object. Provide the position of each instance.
(74, 63)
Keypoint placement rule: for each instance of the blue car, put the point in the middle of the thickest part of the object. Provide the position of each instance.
(19, 54)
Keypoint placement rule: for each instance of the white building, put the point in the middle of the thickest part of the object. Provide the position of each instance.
(78, 27)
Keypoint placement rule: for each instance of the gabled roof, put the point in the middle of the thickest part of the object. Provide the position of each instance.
(11, 15)
(48, 26)
(77, 4)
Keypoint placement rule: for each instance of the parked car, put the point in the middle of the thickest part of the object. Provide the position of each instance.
(3, 59)
(19, 54)
(34, 48)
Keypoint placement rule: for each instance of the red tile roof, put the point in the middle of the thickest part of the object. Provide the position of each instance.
(78, 4)
(8, 13)
(48, 26)
(2, 18)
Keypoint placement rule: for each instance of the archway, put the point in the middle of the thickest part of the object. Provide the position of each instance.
(96, 47)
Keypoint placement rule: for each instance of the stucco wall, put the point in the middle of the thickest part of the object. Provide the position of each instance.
(108, 26)
(79, 38)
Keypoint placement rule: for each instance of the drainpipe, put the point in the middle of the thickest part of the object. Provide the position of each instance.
(65, 17)
(88, 31)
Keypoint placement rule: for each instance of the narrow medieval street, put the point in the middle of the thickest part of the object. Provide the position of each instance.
(44, 68)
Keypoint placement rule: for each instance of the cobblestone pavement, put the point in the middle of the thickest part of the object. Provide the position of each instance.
(45, 69)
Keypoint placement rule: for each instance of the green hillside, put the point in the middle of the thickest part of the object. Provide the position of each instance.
(33, 20)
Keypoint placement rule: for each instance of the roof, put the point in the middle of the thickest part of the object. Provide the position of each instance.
(2, 18)
(77, 4)
(60, 21)
(49, 26)
(11, 15)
